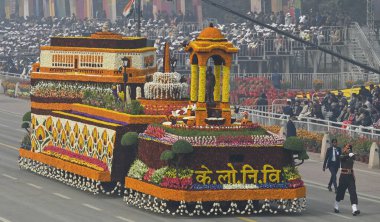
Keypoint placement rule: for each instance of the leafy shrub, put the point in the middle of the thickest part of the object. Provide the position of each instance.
(167, 155)
(26, 143)
(294, 144)
(138, 170)
(135, 108)
(129, 139)
(182, 147)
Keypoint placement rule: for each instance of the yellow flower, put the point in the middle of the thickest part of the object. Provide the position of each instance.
(49, 123)
(40, 133)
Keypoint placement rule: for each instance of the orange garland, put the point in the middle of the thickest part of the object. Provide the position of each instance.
(123, 117)
(67, 166)
(213, 195)
(51, 106)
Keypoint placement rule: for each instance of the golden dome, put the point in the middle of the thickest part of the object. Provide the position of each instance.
(211, 33)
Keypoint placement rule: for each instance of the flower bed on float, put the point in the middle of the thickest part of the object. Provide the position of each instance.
(221, 165)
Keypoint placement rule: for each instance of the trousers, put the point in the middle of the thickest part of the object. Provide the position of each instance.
(347, 181)
(333, 171)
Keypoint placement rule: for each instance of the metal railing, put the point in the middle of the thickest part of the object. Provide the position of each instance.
(7, 75)
(305, 80)
(311, 124)
(357, 33)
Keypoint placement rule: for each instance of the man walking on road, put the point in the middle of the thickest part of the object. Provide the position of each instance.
(332, 161)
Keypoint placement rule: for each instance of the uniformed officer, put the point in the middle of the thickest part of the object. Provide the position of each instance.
(347, 180)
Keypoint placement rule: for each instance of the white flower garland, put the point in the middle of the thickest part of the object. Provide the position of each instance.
(166, 86)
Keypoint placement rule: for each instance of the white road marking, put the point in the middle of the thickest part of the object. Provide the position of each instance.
(92, 207)
(2, 219)
(339, 215)
(10, 113)
(371, 198)
(124, 219)
(34, 185)
(20, 130)
(62, 196)
(9, 146)
(8, 176)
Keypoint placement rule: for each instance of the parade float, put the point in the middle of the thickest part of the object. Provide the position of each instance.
(199, 160)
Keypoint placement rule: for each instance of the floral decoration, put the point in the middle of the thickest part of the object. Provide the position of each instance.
(75, 158)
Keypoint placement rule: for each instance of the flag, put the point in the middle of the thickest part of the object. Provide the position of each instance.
(129, 8)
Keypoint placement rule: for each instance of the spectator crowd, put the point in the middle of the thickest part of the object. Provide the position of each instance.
(363, 109)
(22, 37)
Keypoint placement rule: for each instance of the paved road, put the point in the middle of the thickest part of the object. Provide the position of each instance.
(26, 197)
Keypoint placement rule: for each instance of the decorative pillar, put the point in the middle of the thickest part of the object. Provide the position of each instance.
(194, 83)
(226, 84)
(217, 69)
(225, 105)
(201, 111)
(202, 84)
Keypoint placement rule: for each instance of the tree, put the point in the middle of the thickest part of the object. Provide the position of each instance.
(129, 139)
(26, 119)
(296, 147)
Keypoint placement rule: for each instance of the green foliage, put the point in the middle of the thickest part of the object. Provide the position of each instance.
(198, 132)
(294, 144)
(129, 139)
(135, 108)
(138, 170)
(167, 155)
(158, 174)
(25, 125)
(303, 155)
(290, 173)
(27, 117)
(182, 173)
(25, 143)
(182, 147)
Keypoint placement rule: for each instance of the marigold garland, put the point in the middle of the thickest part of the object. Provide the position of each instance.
(51, 106)
(123, 117)
(226, 84)
(202, 84)
(194, 83)
(67, 166)
(213, 195)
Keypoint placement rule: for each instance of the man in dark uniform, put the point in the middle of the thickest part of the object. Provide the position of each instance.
(332, 161)
(347, 180)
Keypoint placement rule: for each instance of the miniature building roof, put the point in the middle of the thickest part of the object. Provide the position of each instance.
(101, 40)
(209, 39)
(211, 33)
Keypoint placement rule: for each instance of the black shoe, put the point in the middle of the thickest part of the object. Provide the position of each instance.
(329, 189)
(356, 213)
(336, 210)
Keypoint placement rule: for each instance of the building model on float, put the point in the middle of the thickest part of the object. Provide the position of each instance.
(168, 151)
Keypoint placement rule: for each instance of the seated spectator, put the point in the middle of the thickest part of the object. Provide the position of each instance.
(297, 108)
(287, 110)
(350, 119)
(306, 110)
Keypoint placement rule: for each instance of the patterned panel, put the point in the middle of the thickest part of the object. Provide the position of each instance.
(85, 139)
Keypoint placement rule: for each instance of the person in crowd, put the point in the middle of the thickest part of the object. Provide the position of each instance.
(306, 110)
(288, 110)
(262, 102)
(297, 108)
(364, 92)
(332, 162)
(347, 180)
(350, 119)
